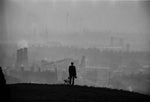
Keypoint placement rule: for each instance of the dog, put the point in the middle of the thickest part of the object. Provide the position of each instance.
(67, 81)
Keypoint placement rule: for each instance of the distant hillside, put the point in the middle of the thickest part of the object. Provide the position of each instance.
(67, 93)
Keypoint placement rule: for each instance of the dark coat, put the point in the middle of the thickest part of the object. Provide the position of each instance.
(72, 70)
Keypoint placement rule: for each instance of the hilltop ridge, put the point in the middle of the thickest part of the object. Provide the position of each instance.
(67, 93)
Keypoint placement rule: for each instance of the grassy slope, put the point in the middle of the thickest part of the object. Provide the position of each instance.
(67, 93)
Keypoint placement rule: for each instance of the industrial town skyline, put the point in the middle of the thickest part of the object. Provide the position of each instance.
(89, 22)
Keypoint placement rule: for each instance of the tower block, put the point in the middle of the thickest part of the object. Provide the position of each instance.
(22, 58)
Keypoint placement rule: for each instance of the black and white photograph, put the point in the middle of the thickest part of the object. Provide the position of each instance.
(74, 50)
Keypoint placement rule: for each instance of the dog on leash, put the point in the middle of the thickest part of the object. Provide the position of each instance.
(67, 81)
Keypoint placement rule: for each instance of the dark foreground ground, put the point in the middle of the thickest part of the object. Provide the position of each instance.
(66, 93)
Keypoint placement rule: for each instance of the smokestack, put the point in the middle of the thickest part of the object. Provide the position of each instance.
(18, 60)
(25, 56)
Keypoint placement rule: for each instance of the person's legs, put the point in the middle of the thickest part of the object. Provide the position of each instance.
(73, 80)
(70, 80)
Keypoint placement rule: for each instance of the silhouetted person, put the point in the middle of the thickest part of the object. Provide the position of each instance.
(72, 73)
(2, 78)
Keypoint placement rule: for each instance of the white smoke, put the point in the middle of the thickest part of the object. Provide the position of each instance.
(22, 44)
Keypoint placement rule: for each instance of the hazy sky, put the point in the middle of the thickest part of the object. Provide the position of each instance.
(88, 21)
